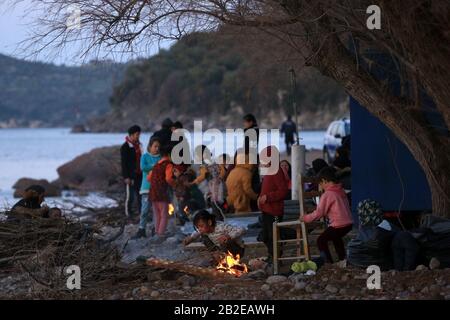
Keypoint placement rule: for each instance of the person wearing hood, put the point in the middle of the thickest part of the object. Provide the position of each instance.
(334, 207)
(239, 185)
(164, 135)
(274, 190)
(130, 156)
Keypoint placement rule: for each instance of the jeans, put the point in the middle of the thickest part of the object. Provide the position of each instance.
(335, 235)
(146, 205)
(132, 195)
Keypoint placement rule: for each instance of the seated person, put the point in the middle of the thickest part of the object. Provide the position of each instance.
(334, 207)
(218, 237)
(30, 206)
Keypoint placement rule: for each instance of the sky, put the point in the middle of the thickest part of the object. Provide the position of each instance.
(15, 27)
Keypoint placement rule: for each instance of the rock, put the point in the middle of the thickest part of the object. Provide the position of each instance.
(187, 281)
(421, 267)
(309, 288)
(257, 264)
(96, 170)
(255, 275)
(343, 291)
(296, 277)
(301, 285)
(435, 288)
(155, 294)
(269, 293)
(345, 278)
(52, 189)
(276, 279)
(331, 289)
(172, 240)
(144, 290)
(412, 289)
(425, 290)
(317, 296)
(178, 292)
(265, 287)
(78, 128)
(434, 263)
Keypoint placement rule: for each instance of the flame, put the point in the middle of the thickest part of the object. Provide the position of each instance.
(171, 209)
(231, 264)
(186, 210)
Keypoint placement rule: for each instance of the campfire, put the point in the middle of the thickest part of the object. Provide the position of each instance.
(231, 264)
(171, 209)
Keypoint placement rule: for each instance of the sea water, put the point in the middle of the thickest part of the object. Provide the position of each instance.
(37, 153)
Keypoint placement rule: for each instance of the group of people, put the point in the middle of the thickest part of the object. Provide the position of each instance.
(209, 187)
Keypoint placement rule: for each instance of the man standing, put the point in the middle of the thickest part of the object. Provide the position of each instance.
(164, 135)
(289, 129)
(130, 155)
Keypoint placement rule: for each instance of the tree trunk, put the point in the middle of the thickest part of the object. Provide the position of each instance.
(427, 146)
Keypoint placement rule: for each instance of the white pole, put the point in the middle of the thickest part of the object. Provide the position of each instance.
(298, 160)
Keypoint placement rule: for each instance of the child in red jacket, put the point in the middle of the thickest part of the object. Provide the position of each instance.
(335, 208)
(274, 190)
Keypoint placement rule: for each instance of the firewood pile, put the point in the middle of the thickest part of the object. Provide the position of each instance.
(43, 248)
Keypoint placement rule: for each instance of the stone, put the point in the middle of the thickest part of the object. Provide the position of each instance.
(435, 288)
(301, 285)
(421, 267)
(276, 279)
(296, 277)
(425, 290)
(269, 293)
(309, 288)
(265, 287)
(144, 290)
(345, 278)
(255, 275)
(343, 291)
(187, 281)
(257, 264)
(331, 289)
(434, 263)
(52, 189)
(98, 169)
(155, 294)
(317, 296)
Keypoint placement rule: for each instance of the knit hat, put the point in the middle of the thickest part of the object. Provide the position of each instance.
(369, 213)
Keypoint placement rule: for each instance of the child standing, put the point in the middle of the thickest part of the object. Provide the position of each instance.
(335, 208)
(148, 160)
(160, 181)
(218, 237)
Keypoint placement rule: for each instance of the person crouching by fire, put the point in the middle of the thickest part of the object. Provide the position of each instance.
(217, 236)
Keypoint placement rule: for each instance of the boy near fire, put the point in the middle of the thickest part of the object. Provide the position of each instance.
(218, 237)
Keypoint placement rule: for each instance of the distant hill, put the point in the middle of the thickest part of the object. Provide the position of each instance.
(41, 94)
(218, 77)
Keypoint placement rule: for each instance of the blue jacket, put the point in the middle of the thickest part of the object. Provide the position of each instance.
(148, 161)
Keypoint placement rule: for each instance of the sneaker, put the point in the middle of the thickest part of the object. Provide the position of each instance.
(140, 234)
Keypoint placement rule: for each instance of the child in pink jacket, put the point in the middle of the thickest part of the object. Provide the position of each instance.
(334, 207)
